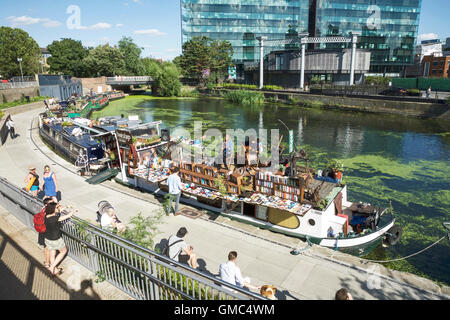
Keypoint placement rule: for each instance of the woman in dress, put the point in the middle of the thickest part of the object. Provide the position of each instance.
(53, 236)
(50, 186)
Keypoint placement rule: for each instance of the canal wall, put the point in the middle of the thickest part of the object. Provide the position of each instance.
(380, 105)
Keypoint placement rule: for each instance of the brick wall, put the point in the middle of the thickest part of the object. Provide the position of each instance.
(95, 84)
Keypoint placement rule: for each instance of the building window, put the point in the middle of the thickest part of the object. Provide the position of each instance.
(426, 69)
(279, 62)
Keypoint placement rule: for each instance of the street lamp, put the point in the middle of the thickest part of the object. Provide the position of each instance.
(20, 63)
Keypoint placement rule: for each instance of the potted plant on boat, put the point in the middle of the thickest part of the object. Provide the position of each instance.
(337, 168)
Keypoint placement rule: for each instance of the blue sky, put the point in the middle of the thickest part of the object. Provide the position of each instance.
(153, 24)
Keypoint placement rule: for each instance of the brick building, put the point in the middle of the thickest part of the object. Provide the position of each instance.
(436, 67)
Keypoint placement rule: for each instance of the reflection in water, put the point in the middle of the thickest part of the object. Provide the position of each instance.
(385, 157)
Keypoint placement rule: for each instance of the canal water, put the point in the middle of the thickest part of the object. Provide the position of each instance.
(385, 158)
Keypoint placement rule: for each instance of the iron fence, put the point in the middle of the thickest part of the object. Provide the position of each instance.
(18, 85)
(138, 271)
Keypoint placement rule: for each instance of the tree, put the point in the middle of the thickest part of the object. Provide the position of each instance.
(16, 43)
(221, 53)
(67, 57)
(131, 53)
(196, 57)
(167, 80)
(202, 53)
(104, 61)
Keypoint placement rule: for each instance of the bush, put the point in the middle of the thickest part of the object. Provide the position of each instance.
(244, 97)
(272, 87)
(378, 80)
(240, 86)
(188, 92)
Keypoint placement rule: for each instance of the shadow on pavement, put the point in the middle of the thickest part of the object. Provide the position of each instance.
(25, 278)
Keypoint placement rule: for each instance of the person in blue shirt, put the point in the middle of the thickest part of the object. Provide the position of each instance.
(50, 186)
(175, 188)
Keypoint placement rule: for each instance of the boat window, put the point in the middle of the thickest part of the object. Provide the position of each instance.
(312, 222)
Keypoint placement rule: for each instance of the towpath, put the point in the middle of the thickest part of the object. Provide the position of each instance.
(262, 255)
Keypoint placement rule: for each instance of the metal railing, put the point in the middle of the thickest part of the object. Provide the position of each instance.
(138, 271)
(18, 85)
(128, 79)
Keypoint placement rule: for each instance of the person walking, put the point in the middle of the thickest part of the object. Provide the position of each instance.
(53, 236)
(32, 181)
(50, 186)
(429, 92)
(231, 273)
(11, 129)
(180, 251)
(175, 187)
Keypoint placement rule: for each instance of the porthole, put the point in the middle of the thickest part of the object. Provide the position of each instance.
(312, 222)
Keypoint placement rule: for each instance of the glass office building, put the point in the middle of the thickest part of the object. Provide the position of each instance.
(241, 21)
(388, 28)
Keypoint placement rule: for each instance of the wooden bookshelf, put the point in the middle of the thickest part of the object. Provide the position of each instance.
(282, 187)
(204, 175)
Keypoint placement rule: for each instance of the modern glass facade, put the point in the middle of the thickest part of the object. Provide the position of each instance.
(241, 21)
(388, 27)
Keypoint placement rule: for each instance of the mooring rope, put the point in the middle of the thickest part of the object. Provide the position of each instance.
(411, 255)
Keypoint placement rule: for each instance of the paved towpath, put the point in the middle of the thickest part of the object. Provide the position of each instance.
(262, 255)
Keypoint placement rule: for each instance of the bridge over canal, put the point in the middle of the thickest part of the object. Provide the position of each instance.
(125, 83)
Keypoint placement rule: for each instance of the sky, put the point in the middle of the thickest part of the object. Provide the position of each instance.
(154, 25)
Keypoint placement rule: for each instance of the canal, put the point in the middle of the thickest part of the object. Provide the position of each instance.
(385, 158)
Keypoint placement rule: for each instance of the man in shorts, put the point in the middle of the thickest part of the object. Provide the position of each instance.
(41, 238)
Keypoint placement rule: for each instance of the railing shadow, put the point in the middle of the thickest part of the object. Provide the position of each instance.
(25, 278)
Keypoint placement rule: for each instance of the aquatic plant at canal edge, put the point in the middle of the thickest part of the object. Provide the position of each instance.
(245, 97)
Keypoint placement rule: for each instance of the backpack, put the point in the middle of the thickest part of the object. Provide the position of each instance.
(39, 221)
(165, 250)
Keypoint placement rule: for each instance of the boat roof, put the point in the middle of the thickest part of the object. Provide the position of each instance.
(84, 140)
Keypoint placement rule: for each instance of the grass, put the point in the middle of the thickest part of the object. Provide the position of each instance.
(21, 102)
(245, 97)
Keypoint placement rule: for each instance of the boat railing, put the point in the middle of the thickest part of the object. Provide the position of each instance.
(140, 272)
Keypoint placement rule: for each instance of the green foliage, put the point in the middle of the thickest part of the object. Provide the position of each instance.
(14, 44)
(315, 80)
(448, 101)
(20, 102)
(220, 183)
(104, 61)
(142, 231)
(239, 86)
(202, 53)
(189, 92)
(1, 114)
(131, 53)
(272, 87)
(313, 104)
(67, 57)
(245, 97)
(167, 81)
(378, 80)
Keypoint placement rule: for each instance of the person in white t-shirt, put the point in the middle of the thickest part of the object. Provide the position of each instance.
(180, 251)
(230, 272)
